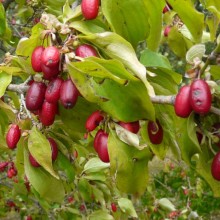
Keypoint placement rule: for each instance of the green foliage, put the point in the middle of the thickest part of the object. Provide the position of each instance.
(132, 79)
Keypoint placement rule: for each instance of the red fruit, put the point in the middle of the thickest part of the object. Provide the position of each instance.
(13, 136)
(2, 98)
(3, 165)
(90, 9)
(35, 96)
(167, 30)
(215, 168)
(68, 94)
(182, 104)
(36, 58)
(200, 96)
(33, 162)
(52, 94)
(94, 120)
(29, 217)
(30, 82)
(114, 207)
(82, 207)
(47, 113)
(167, 8)
(102, 145)
(11, 172)
(96, 139)
(50, 56)
(75, 154)
(86, 50)
(216, 131)
(155, 132)
(70, 199)
(54, 148)
(50, 72)
(130, 126)
(199, 137)
(10, 203)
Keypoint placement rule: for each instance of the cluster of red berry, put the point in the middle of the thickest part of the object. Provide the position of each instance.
(196, 97)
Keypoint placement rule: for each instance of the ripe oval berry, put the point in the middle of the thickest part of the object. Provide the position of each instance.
(199, 137)
(101, 145)
(200, 96)
(50, 56)
(96, 139)
(114, 207)
(166, 31)
(215, 168)
(182, 104)
(3, 165)
(54, 148)
(90, 9)
(33, 162)
(36, 58)
(155, 132)
(50, 72)
(68, 94)
(35, 96)
(103, 148)
(130, 126)
(13, 136)
(52, 94)
(86, 50)
(47, 113)
(94, 120)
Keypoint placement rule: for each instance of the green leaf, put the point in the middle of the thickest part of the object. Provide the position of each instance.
(96, 70)
(130, 164)
(150, 58)
(55, 7)
(76, 117)
(203, 167)
(212, 22)
(26, 46)
(127, 207)
(46, 185)
(215, 71)
(95, 165)
(101, 215)
(7, 110)
(2, 20)
(166, 204)
(175, 39)
(189, 144)
(136, 103)
(40, 149)
(96, 177)
(15, 98)
(69, 13)
(193, 19)
(64, 164)
(118, 48)
(5, 80)
(114, 67)
(88, 26)
(125, 21)
(154, 9)
(85, 190)
(125, 103)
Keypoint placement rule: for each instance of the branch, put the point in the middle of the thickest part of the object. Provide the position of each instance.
(19, 88)
(6, 3)
(160, 99)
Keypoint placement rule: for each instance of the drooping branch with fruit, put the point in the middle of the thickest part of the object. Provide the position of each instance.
(89, 101)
